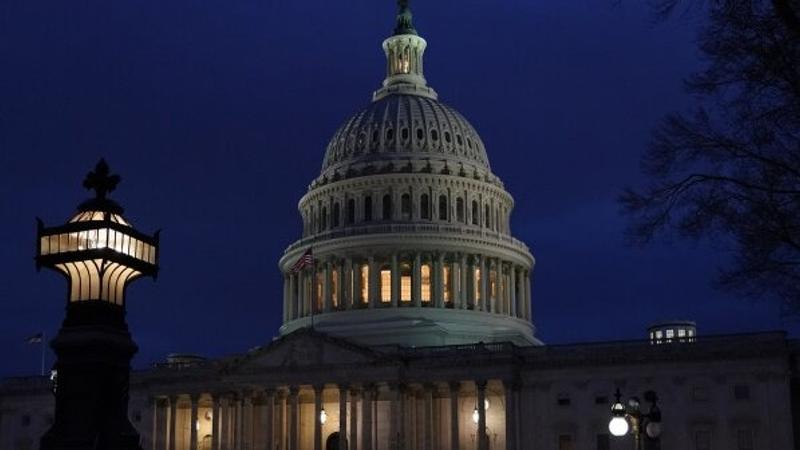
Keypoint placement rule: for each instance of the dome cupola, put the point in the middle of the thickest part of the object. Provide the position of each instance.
(406, 232)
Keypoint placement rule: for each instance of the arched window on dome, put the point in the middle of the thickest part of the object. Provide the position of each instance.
(336, 215)
(460, 209)
(497, 219)
(475, 213)
(387, 207)
(386, 284)
(351, 211)
(368, 208)
(487, 216)
(442, 207)
(405, 282)
(425, 279)
(405, 206)
(364, 282)
(425, 207)
(323, 219)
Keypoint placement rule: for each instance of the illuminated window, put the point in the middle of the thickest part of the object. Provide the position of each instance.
(405, 282)
(460, 209)
(493, 284)
(405, 206)
(386, 285)
(318, 299)
(426, 282)
(364, 283)
(448, 289)
(335, 287)
(425, 206)
(368, 208)
(477, 285)
(670, 333)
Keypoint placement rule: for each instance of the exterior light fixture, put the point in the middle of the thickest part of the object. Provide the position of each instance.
(631, 419)
(475, 415)
(197, 425)
(209, 415)
(323, 416)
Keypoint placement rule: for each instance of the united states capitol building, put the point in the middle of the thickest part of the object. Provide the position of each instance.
(412, 326)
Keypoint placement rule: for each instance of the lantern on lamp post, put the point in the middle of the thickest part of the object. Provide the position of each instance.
(100, 254)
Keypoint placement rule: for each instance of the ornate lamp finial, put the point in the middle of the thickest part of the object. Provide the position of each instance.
(100, 180)
(404, 19)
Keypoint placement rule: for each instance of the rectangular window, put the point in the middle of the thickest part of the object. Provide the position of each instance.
(565, 442)
(477, 286)
(426, 282)
(741, 392)
(335, 288)
(744, 438)
(603, 442)
(702, 440)
(365, 283)
(405, 288)
(448, 289)
(386, 286)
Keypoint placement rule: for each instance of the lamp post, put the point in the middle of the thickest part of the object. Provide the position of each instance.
(630, 418)
(99, 253)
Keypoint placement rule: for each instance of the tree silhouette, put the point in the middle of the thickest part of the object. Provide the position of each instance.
(730, 170)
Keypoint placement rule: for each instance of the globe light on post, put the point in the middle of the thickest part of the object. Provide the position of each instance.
(653, 430)
(618, 426)
(323, 417)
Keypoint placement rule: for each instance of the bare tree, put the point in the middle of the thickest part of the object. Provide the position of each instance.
(730, 170)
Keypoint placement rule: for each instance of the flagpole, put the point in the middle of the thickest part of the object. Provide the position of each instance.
(44, 339)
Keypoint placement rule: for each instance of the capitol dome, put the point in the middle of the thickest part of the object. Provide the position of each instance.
(406, 231)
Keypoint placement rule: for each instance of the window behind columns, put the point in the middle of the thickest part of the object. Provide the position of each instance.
(460, 209)
(364, 294)
(405, 282)
(477, 286)
(386, 284)
(475, 213)
(426, 282)
(442, 207)
(448, 288)
(335, 287)
(405, 206)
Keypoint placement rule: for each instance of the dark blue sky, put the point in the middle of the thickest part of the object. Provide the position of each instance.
(217, 115)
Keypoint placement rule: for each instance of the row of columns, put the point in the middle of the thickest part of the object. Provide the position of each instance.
(474, 282)
(233, 424)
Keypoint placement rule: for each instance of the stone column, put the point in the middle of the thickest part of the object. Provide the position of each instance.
(354, 394)
(279, 429)
(247, 421)
(301, 294)
(366, 417)
(215, 423)
(286, 297)
(224, 423)
(455, 387)
(173, 414)
(528, 304)
(438, 277)
(194, 398)
(512, 417)
(342, 286)
(318, 391)
(395, 281)
(513, 291)
(416, 281)
(342, 417)
(454, 286)
(356, 274)
(428, 417)
(464, 291)
(269, 420)
(294, 391)
(484, 288)
(347, 298)
(483, 438)
(494, 297)
(373, 282)
(327, 285)
(160, 432)
(402, 413)
(394, 434)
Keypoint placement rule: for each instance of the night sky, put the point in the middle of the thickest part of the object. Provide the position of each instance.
(217, 114)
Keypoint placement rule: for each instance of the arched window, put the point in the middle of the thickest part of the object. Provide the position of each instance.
(364, 294)
(475, 213)
(405, 206)
(336, 212)
(323, 219)
(425, 207)
(448, 288)
(426, 282)
(351, 211)
(487, 217)
(405, 282)
(497, 219)
(368, 208)
(386, 284)
(387, 207)
(335, 288)
(477, 286)
(460, 209)
(442, 207)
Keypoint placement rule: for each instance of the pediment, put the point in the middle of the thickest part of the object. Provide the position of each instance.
(306, 348)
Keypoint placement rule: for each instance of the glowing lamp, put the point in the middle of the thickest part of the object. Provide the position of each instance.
(323, 417)
(98, 251)
(618, 426)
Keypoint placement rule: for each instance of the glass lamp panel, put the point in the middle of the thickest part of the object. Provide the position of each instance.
(44, 245)
(53, 243)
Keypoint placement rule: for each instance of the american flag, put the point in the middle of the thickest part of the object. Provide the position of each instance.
(307, 260)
